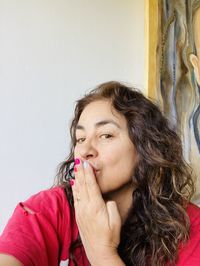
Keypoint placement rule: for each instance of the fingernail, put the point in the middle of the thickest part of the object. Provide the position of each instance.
(77, 161)
(85, 164)
(71, 182)
(75, 169)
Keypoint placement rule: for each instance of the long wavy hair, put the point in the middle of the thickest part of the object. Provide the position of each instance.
(157, 222)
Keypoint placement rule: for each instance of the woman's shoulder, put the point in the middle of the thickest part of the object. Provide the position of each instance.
(49, 206)
(51, 199)
(56, 191)
(49, 193)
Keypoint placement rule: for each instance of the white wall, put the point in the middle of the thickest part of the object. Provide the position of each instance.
(51, 51)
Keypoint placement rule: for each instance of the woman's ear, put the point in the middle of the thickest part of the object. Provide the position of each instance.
(195, 63)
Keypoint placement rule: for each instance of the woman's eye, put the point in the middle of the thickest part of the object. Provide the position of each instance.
(80, 140)
(106, 136)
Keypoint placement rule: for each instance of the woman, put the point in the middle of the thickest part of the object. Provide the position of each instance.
(129, 203)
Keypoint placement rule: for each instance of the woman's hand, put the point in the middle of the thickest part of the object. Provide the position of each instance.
(99, 223)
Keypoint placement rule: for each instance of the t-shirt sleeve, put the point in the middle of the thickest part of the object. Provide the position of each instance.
(34, 233)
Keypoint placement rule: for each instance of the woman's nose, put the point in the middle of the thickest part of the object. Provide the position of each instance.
(88, 150)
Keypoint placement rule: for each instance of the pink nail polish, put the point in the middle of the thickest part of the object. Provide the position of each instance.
(71, 182)
(75, 169)
(77, 161)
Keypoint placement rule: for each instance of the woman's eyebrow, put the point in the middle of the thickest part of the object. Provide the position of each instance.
(99, 124)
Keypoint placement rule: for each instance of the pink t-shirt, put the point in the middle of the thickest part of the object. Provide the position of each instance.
(189, 254)
(42, 229)
(42, 234)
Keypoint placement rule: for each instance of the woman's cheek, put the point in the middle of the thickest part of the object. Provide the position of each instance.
(109, 160)
(76, 152)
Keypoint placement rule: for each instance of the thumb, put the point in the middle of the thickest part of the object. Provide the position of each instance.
(114, 219)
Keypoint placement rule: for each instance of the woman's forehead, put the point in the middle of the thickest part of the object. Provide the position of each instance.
(101, 110)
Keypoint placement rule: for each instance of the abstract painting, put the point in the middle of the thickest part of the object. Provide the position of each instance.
(173, 74)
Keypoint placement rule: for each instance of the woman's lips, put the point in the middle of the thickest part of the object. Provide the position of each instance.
(94, 166)
(97, 171)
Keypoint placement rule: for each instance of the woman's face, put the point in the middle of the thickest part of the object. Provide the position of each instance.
(102, 139)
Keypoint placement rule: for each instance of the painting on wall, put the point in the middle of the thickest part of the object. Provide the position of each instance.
(173, 77)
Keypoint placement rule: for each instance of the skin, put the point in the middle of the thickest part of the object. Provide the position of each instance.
(8, 260)
(102, 189)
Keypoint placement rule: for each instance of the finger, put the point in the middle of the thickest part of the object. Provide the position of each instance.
(80, 180)
(75, 193)
(93, 189)
(78, 168)
(114, 219)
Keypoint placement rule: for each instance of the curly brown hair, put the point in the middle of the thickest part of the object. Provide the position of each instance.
(157, 222)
